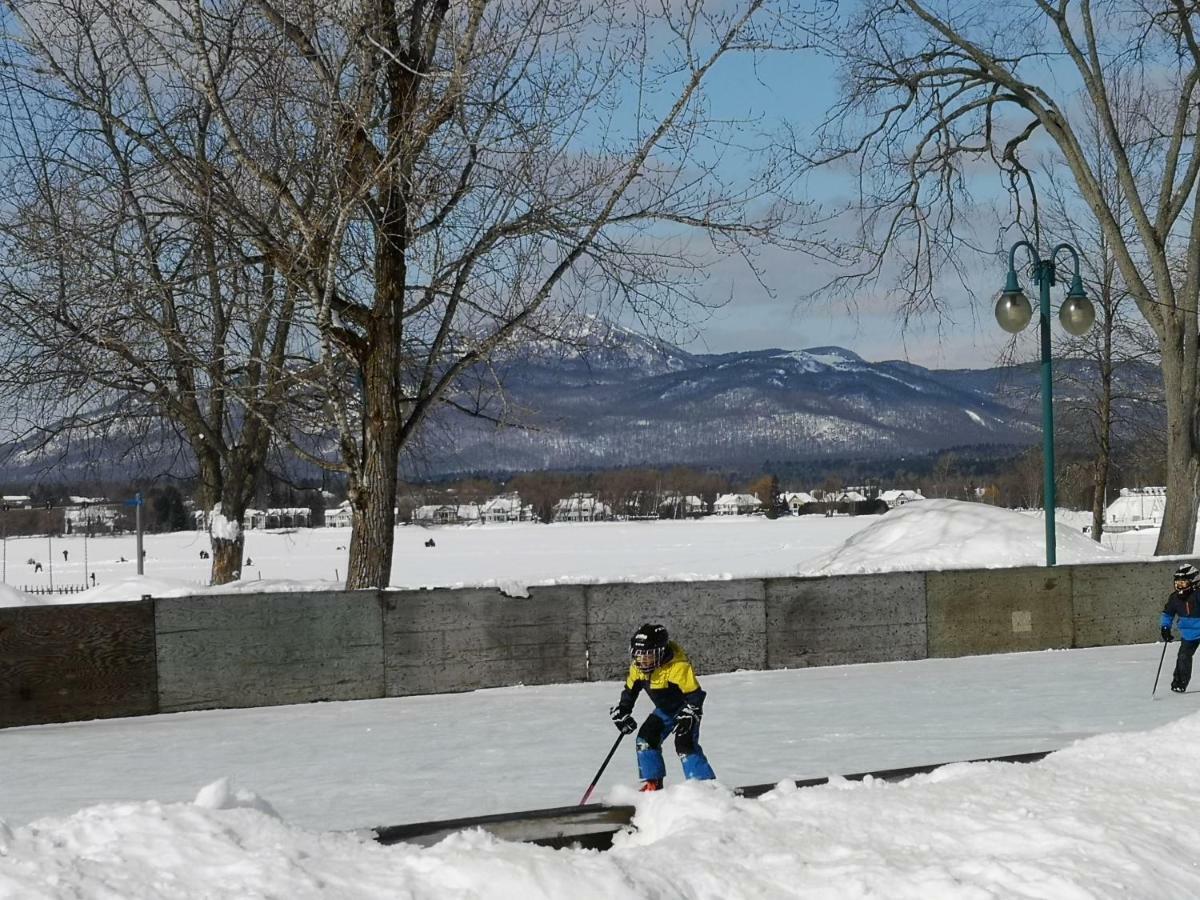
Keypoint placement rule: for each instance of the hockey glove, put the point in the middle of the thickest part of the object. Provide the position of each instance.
(687, 719)
(1166, 634)
(625, 723)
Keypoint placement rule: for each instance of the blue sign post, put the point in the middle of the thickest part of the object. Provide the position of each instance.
(137, 503)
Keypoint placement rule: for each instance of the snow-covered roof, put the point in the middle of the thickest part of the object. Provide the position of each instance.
(580, 502)
(503, 503)
(737, 500)
(1136, 507)
(673, 497)
(895, 495)
(791, 497)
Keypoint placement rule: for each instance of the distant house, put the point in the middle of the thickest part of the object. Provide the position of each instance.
(340, 516)
(736, 504)
(277, 517)
(506, 508)
(796, 499)
(90, 514)
(434, 514)
(848, 497)
(581, 508)
(868, 491)
(674, 505)
(1136, 508)
(16, 501)
(900, 497)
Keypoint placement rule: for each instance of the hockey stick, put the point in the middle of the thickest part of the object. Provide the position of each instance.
(603, 766)
(1157, 674)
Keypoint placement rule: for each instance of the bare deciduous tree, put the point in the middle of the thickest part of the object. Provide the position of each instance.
(129, 309)
(438, 181)
(937, 96)
(1102, 400)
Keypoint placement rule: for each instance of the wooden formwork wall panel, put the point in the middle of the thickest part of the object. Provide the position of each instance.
(68, 662)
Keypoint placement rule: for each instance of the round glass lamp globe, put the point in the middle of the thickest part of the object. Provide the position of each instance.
(1077, 315)
(1013, 311)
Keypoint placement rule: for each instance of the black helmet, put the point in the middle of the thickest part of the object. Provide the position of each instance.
(1187, 572)
(648, 647)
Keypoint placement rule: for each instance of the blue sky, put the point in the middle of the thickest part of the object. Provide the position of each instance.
(800, 87)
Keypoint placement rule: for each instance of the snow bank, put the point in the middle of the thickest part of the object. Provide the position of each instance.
(10, 596)
(1098, 819)
(950, 534)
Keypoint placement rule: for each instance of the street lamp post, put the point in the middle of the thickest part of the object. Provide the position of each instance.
(1076, 314)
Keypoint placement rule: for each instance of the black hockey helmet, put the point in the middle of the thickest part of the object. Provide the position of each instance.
(1187, 572)
(648, 647)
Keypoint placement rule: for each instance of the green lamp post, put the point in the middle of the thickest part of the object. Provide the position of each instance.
(1076, 314)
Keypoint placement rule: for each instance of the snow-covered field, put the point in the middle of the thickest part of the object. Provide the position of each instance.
(139, 808)
(935, 534)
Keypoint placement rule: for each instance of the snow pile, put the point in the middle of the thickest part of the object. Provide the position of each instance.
(221, 794)
(1098, 819)
(10, 596)
(222, 528)
(951, 534)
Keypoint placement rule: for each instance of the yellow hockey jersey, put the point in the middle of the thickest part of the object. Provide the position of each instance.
(670, 686)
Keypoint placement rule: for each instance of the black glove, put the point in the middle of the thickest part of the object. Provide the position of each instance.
(1166, 633)
(625, 723)
(687, 719)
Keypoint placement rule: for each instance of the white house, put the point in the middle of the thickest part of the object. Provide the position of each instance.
(849, 497)
(581, 508)
(340, 516)
(16, 501)
(797, 499)
(90, 514)
(505, 508)
(736, 504)
(435, 514)
(900, 497)
(278, 517)
(1136, 508)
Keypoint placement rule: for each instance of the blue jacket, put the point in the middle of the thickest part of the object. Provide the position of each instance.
(1185, 605)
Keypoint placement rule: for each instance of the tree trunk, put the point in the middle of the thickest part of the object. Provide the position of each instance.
(1099, 494)
(227, 557)
(1178, 532)
(1104, 452)
(372, 493)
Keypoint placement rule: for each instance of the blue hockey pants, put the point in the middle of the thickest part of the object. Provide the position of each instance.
(649, 749)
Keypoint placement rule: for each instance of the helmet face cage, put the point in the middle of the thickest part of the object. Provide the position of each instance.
(648, 647)
(1187, 574)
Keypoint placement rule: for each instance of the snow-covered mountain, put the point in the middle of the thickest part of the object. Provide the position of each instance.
(617, 398)
(607, 397)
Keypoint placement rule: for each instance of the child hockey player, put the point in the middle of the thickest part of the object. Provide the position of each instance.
(661, 668)
(1184, 604)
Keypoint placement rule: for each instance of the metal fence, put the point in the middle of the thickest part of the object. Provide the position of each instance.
(42, 589)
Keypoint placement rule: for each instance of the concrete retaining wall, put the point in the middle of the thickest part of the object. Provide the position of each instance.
(67, 662)
(1113, 604)
(234, 650)
(459, 640)
(721, 624)
(849, 619)
(998, 610)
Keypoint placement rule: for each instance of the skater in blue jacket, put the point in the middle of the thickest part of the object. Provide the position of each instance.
(661, 668)
(1184, 605)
